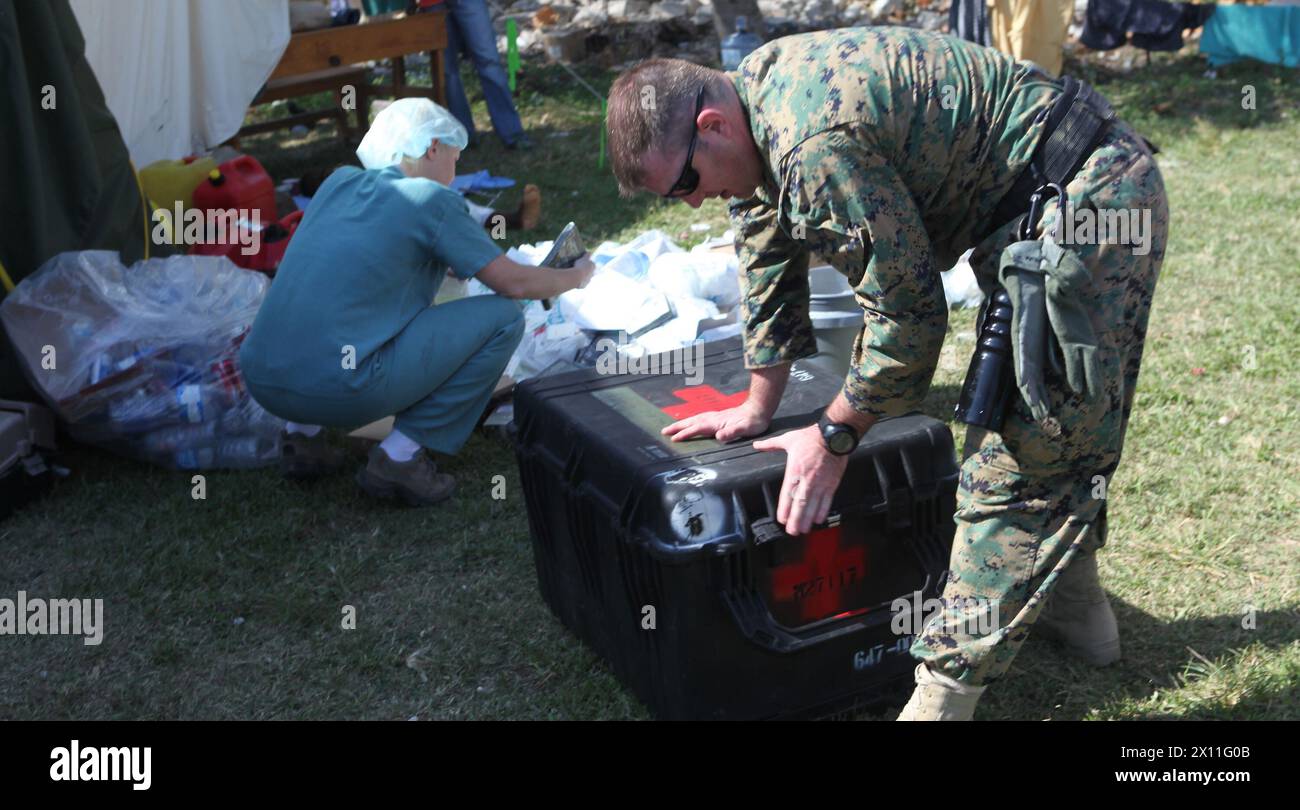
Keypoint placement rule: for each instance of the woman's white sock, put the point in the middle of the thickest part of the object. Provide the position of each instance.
(399, 446)
(306, 430)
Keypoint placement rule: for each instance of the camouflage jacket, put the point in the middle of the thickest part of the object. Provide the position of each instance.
(885, 151)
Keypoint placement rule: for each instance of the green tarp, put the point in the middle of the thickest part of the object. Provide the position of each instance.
(66, 181)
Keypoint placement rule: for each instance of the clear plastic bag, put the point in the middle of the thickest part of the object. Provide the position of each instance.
(144, 360)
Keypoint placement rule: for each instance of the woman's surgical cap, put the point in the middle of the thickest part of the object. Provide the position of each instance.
(405, 128)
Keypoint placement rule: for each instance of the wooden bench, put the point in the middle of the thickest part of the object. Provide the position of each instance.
(330, 59)
(337, 79)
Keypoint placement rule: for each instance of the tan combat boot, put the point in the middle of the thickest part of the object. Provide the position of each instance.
(939, 697)
(417, 481)
(1078, 615)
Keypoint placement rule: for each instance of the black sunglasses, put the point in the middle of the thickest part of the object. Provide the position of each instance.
(689, 180)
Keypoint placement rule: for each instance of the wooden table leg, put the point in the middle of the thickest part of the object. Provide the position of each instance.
(363, 109)
(341, 117)
(437, 70)
(399, 72)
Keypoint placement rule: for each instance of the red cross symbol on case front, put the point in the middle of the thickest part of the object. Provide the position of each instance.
(817, 581)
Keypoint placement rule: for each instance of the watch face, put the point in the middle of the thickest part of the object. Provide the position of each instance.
(841, 442)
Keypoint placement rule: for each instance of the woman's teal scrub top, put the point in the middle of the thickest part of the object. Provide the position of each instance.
(368, 256)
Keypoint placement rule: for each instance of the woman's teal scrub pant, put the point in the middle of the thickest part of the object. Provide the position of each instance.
(435, 376)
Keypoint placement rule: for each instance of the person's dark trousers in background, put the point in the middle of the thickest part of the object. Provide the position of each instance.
(469, 31)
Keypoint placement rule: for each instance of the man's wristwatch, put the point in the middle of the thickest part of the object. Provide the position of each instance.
(839, 438)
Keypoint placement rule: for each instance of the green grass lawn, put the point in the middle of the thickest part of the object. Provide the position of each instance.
(231, 607)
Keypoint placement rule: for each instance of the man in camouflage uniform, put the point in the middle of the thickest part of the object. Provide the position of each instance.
(886, 151)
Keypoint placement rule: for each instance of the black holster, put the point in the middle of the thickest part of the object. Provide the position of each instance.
(990, 380)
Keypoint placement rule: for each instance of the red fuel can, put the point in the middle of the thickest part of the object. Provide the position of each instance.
(240, 183)
(273, 240)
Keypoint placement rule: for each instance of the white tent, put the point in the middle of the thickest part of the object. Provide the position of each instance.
(179, 74)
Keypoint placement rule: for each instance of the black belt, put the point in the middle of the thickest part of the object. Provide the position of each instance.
(1076, 123)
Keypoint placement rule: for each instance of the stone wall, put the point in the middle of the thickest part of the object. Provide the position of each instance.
(615, 33)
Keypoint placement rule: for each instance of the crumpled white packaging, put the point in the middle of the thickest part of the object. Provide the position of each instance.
(611, 302)
(705, 274)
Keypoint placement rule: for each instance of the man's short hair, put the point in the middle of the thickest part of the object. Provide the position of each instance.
(649, 108)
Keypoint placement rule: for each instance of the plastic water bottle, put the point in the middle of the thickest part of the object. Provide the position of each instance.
(197, 458)
(119, 358)
(196, 403)
(143, 408)
(243, 452)
(234, 453)
(179, 437)
(739, 45)
(250, 419)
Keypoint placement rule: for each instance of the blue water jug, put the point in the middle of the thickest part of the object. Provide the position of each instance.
(739, 45)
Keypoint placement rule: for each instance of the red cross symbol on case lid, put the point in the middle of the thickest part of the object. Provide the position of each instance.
(701, 399)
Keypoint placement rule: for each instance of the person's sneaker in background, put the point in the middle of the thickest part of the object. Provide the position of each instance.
(417, 481)
(521, 143)
(529, 212)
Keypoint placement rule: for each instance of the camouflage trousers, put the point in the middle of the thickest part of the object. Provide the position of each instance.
(1031, 499)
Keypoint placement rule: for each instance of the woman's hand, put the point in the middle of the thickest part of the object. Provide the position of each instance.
(513, 280)
(583, 269)
(725, 426)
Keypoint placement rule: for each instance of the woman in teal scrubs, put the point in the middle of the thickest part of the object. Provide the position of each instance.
(348, 333)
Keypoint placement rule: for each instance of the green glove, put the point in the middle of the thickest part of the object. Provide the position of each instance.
(1068, 281)
(1047, 285)
(1020, 272)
